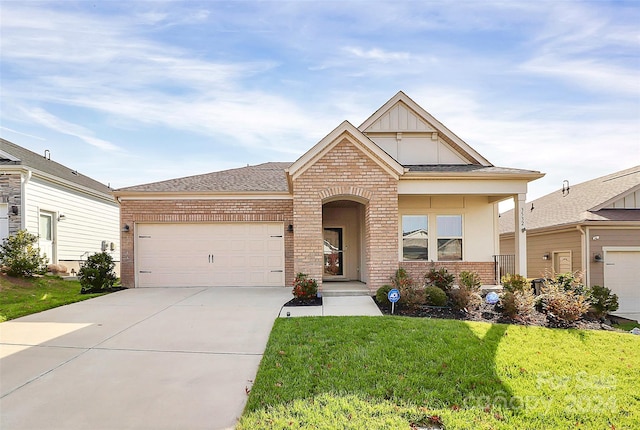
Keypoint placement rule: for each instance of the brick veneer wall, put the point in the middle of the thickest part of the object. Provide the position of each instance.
(346, 172)
(201, 211)
(417, 269)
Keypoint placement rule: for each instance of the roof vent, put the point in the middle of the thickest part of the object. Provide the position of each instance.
(47, 154)
(565, 188)
(74, 172)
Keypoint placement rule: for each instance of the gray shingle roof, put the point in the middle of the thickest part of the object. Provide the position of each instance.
(15, 155)
(580, 203)
(266, 177)
(468, 169)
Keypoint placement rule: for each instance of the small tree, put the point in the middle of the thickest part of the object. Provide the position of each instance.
(603, 300)
(20, 256)
(97, 273)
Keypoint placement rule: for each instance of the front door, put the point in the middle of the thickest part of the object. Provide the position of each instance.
(562, 262)
(333, 252)
(45, 241)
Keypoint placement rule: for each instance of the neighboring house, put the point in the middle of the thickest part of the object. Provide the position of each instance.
(592, 227)
(72, 215)
(348, 209)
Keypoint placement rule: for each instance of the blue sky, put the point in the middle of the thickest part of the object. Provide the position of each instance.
(135, 92)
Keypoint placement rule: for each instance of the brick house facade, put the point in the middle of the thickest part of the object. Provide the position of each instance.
(342, 211)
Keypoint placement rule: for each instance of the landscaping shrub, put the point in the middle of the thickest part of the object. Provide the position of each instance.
(410, 295)
(603, 301)
(440, 278)
(435, 296)
(304, 288)
(97, 274)
(20, 256)
(382, 294)
(563, 306)
(467, 295)
(514, 283)
(470, 280)
(464, 298)
(518, 305)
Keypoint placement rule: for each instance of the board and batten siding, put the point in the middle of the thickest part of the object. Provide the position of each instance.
(88, 220)
(608, 237)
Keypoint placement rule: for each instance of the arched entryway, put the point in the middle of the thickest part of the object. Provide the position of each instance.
(344, 240)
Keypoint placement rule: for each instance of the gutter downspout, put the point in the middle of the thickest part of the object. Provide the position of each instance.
(23, 199)
(585, 254)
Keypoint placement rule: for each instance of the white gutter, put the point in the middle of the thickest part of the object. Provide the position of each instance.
(585, 254)
(24, 180)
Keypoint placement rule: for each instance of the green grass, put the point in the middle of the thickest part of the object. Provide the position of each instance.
(627, 326)
(391, 372)
(20, 297)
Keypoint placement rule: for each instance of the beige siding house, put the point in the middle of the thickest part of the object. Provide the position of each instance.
(592, 227)
(347, 209)
(73, 215)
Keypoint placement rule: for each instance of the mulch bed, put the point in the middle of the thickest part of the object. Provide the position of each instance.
(316, 301)
(490, 314)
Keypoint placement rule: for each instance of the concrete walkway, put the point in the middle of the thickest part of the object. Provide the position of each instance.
(335, 306)
(152, 358)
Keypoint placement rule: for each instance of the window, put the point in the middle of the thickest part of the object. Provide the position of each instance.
(46, 224)
(415, 239)
(449, 237)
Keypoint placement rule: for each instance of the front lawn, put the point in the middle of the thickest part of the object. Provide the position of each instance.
(20, 297)
(392, 372)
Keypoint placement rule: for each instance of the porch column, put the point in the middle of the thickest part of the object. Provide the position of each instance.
(520, 234)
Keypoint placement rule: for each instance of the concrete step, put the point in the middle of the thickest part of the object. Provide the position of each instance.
(345, 293)
(344, 289)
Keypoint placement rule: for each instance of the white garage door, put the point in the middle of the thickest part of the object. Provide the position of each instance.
(221, 254)
(622, 276)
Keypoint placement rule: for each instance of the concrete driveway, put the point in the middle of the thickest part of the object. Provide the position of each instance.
(161, 358)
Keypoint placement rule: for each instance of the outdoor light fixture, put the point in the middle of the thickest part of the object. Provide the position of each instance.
(290, 228)
(597, 257)
(125, 228)
(14, 210)
(545, 256)
(62, 217)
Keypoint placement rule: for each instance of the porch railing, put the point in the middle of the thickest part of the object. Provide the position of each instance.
(504, 264)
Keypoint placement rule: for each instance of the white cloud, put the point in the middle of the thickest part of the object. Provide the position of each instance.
(52, 122)
(377, 54)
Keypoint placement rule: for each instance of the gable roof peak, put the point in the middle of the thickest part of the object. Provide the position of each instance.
(424, 122)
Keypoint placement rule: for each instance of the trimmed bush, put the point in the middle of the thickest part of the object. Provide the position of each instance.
(563, 307)
(440, 278)
(410, 295)
(304, 288)
(603, 301)
(513, 283)
(97, 274)
(382, 295)
(21, 257)
(435, 296)
(470, 280)
(464, 298)
(518, 305)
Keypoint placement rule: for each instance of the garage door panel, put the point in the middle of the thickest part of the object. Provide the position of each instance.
(223, 254)
(622, 277)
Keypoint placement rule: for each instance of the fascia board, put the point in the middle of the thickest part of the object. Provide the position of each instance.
(56, 180)
(356, 137)
(176, 195)
(615, 198)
